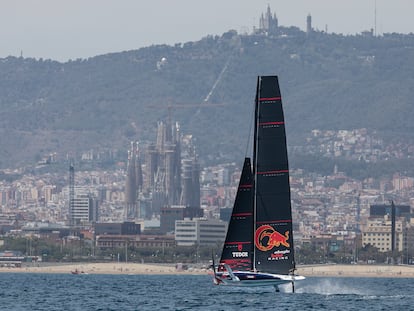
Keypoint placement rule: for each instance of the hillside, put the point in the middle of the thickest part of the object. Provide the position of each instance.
(328, 81)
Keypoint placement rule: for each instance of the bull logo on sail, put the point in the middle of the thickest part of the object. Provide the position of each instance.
(266, 237)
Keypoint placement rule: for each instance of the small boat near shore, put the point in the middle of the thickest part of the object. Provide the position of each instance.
(77, 271)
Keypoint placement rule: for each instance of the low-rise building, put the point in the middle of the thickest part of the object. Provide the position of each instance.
(378, 233)
(200, 231)
(121, 241)
(117, 228)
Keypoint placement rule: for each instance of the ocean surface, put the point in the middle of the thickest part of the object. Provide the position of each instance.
(26, 291)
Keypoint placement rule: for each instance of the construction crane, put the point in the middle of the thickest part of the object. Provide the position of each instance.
(205, 102)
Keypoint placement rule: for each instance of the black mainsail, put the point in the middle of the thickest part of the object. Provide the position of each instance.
(258, 250)
(273, 240)
(238, 246)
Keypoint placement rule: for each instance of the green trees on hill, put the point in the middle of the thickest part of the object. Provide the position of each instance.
(328, 81)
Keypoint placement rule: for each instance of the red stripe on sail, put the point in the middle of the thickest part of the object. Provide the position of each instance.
(242, 214)
(270, 98)
(245, 186)
(238, 243)
(273, 172)
(272, 123)
(273, 221)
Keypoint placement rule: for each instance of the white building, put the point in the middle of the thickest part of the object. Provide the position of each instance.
(377, 233)
(84, 209)
(200, 231)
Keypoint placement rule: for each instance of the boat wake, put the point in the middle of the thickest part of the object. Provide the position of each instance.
(345, 288)
(334, 286)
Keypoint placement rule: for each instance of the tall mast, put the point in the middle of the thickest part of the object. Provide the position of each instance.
(256, 114)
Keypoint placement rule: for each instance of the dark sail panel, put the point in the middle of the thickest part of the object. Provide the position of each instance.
(238, 246)
(273, 229)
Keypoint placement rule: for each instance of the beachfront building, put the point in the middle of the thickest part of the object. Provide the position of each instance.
(125, 242)
(117, 228)
(200, 231)
(378, 233)
(11, 259)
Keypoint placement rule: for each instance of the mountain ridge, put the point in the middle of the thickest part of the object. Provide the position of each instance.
(328, 81)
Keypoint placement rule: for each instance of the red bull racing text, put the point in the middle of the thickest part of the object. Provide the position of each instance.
(267, 238)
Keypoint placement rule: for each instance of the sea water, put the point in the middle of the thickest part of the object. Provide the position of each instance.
(26, 291)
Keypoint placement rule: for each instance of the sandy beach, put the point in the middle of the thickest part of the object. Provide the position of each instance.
(404, 271)
(139, 268)
(103, 268)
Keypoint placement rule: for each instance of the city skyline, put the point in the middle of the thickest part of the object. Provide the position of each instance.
(61, 30)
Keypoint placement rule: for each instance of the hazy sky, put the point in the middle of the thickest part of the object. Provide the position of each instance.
(70, 29)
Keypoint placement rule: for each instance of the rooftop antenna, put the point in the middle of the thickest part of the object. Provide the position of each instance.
(375, 18)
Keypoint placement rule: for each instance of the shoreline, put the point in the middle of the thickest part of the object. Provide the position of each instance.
(334, 270)
(101, 268)
(355, 270)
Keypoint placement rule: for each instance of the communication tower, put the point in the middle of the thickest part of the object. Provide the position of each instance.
(309, 24)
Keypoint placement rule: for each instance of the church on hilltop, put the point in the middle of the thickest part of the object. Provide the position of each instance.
(269, 24)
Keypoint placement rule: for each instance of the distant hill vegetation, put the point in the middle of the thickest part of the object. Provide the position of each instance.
(328, 81)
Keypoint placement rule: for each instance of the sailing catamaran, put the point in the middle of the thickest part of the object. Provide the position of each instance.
(258, 249)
